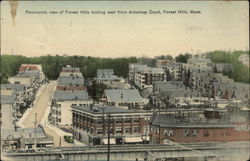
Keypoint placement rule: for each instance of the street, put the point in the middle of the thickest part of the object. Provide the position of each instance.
(41, 108)
(40, 105)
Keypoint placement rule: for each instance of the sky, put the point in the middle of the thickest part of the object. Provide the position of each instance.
(222, 25)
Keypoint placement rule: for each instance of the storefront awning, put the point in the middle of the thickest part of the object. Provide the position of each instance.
(133, 140)
(105, 141)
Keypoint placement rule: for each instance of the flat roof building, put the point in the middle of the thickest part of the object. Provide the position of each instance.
(90, 124)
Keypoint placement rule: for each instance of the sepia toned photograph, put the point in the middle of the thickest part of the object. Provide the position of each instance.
(124, 81)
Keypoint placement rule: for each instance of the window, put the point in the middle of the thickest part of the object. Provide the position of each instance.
(228, 132)
(111, 131)
(136, 119)
(168, 132)
(118, 130)
(195, 133)
(118, 121)
(99, 121)
(136, 129)
(146, 129)
(99, 131)
(127, 130)
(147, 119)
(206, 133)
(127, 120)
(186, 132)
(156, 130)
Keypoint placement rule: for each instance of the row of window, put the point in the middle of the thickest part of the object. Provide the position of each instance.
(117, 121)
(192, 133)
(119, 130)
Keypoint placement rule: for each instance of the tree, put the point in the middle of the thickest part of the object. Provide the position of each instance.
(164, 57)
(183, 58)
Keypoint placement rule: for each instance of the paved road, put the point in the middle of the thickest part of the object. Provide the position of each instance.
(40, 105)
(57, 139)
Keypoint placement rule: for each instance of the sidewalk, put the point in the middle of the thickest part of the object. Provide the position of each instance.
(28, 110)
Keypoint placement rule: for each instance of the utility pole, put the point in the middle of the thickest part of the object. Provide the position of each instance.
(0, 132)
(35, 128)
(103, 122)
(108, 157)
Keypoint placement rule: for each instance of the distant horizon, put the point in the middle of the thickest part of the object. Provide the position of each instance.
(218, 25)
(193, 54)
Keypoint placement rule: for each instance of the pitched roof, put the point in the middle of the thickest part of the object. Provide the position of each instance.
(71, 69)
(123, 95)
(10, 99)
(68, 74)
(14, 87)
(150, 70)
(72, 80)
(108, 77)
(70, 95)
(105, 71)
(35, 73)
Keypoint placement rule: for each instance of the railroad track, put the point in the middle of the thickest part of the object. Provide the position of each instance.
(115, 148)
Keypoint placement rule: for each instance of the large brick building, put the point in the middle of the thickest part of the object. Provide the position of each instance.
(90, 124)
(209, 126)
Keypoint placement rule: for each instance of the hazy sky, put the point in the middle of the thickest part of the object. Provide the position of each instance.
(220, 26)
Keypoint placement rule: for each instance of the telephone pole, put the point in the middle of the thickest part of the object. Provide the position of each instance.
(35, 129)
(108, 158)
(0, 132)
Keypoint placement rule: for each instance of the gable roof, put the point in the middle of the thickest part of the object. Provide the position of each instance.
(123, 95)
(105, 71)
(8, 99)
(68, 74)
(70, 69)
(34, 73)
(14, 87)
(70, 95)
(72, 80)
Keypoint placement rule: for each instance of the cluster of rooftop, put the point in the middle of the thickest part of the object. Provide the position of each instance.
(70, 90)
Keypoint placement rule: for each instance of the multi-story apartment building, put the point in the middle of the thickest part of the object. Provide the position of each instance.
(20, 92)
(70, 91)
(244, 59)
(173, 69)
(74, 82)
(201, 61)
(90, 124)
(107, 77)
(61, 106)
(32, 70)
(146, 76)
(134, 68)
(8, 109)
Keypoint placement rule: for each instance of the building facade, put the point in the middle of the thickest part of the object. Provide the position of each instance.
(90, 124)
